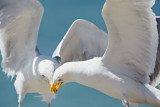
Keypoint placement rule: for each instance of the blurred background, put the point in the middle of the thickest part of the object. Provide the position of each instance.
(57, 18)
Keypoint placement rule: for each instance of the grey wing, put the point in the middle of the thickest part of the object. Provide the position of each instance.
(19, 25)
(83, 41)
(155, 77)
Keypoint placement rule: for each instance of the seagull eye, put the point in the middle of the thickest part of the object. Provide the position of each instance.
(43, 76)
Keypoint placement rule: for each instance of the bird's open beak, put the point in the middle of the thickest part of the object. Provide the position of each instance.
(54, 88)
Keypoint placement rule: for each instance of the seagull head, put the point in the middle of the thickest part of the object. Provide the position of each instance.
(46, 70)
(46, 67)
(61, 76)
(56, 84)
(69, 72)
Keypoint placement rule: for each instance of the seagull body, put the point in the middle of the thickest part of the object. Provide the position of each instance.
(20, 21)
(125, 69)
(112, 83)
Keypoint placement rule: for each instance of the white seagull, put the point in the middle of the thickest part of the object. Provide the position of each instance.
(19, 25)
(126, 70)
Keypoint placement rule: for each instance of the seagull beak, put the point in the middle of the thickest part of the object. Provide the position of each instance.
(54, 88)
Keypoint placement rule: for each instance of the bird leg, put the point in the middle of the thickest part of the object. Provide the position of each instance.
(125, 101)
(49, 105)
(125, 104)
(19, 104)
(20, 98)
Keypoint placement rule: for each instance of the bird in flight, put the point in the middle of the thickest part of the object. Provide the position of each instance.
(19, 25)
(129, 68)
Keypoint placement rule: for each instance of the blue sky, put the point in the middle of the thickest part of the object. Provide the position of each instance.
(58, 16)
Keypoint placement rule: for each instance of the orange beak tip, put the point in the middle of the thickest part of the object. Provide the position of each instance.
(54, 88)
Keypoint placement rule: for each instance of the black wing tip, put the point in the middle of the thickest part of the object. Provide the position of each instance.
(58, 59)
(158, 19)
(37, 51)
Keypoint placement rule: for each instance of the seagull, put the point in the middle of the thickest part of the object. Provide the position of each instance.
(19, 26)
(127, 70)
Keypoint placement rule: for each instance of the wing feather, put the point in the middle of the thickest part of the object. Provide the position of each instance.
(83, 41)
(133, 37)
(154, 77)
(19, 25)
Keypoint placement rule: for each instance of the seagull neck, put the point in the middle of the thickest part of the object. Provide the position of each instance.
(83, 73)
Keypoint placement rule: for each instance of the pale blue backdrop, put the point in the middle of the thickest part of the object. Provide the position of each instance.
(58, 16)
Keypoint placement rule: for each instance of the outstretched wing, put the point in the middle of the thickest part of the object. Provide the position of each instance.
(133, 37)
(19, 25)
(83, 41)
(154, 77)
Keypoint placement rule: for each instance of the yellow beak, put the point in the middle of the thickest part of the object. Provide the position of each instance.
(54, 88)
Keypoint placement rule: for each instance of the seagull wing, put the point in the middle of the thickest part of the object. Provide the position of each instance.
(154, 77)
(83, 41)
(19, 25)
(133, 37)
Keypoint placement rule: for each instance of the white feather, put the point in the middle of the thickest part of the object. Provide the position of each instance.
(83, 41)
(19, 25)
(123, 71)
(133, 36)
(20, 20)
